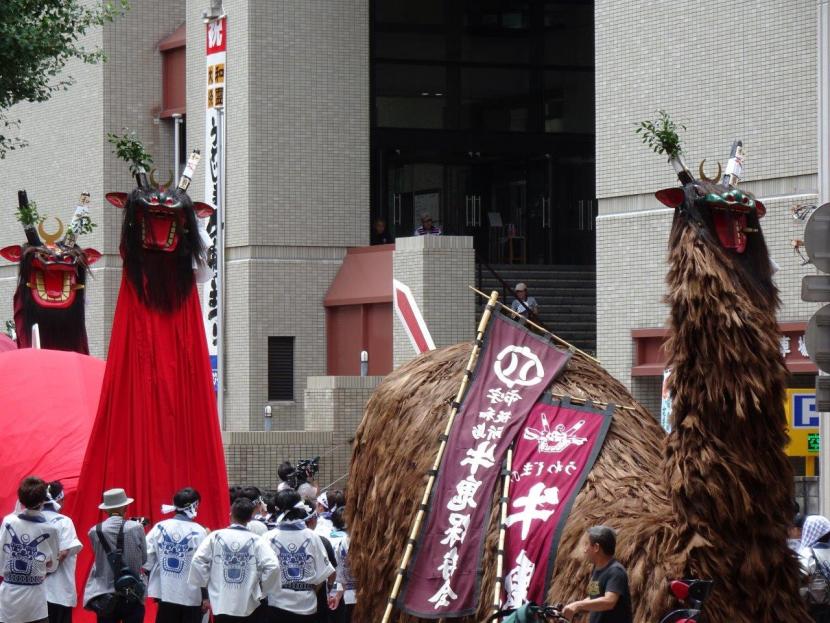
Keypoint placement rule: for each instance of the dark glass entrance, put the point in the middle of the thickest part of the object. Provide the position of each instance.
(483, 116)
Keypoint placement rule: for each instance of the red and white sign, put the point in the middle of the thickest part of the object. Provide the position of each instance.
(216, 43)
(410, 316)
(555, 450)
(514, 369)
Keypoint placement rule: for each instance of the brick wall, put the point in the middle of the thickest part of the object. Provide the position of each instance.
(751, 76)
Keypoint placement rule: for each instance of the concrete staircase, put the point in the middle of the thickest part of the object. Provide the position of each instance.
(567, 297)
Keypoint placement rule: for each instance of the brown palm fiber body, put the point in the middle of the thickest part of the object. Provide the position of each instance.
(396, 445)
(710, 501)
(729, 480)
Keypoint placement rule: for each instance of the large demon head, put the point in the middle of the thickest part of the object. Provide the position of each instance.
(160, 241)
(725, 217)
(51, 282)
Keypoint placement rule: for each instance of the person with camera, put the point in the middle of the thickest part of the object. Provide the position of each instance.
(171, 545)
(237, 567)
(115, 590)
(29, 549)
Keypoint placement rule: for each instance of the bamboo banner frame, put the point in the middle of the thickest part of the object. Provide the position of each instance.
(538, 327)
(505, 494)
(433, 474)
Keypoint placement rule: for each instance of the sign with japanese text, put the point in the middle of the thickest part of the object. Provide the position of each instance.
(513, 370)
(216, 43)
(802, 422)
(555, 450)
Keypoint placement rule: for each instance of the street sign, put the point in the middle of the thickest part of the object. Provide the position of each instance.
(815, 288)
(817, 238)
(802, 422)
(817, 337)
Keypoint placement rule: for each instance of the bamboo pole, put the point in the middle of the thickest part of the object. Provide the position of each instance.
(505, 492)
(419, 517)
(539, 327)
(577, 400)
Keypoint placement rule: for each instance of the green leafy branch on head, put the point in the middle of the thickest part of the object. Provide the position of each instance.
(28, 215)
(131, 150)
(83, 224)
(661, 135)
(8, 328)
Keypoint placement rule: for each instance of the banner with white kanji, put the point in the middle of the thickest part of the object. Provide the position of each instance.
(513, 370)
(554, 452)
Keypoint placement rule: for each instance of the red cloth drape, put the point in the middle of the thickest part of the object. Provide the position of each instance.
(48, 400)
(157, 428)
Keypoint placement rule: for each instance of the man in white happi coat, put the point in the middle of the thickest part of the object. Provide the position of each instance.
(61, 595)
(304, 564)
(237, 567)
(29, 549)
(171, 545)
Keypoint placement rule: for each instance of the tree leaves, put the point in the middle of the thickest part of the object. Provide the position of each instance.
(39, 38)
(661, 134)
(129, 148)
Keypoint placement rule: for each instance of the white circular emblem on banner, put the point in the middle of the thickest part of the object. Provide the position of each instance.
(518, 365)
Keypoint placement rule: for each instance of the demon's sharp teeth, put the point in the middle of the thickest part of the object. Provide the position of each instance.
(41, 287)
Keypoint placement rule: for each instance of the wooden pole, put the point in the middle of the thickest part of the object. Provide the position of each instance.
(505, 492)
(419, 517)
(538, 327)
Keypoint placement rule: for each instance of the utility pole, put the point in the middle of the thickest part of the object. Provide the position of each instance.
(823, 14)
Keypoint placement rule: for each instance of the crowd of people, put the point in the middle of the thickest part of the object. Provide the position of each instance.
(282, 559)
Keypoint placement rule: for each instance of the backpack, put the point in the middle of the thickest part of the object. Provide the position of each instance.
(817, 590)
(128, 585)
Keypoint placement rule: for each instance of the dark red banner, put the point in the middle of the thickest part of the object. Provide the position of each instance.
(554, 452)
(513, 370)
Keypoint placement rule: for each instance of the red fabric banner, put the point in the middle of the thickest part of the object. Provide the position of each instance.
(157, 429)
(554, 452)
(513, 369)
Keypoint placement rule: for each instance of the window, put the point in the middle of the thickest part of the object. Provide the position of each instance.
(280, 368)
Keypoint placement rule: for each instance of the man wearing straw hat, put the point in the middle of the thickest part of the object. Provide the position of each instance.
(101, 579)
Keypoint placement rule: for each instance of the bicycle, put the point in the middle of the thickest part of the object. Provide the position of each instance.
(691, 592)
(531, 613)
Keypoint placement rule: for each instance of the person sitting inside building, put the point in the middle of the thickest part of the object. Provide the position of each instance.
(427, 228)
(524, 304)
(380, 235)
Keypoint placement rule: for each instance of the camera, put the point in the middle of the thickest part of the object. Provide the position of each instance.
(303, 471)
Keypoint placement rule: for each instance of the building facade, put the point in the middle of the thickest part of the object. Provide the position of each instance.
(510, 122)
(752, 76)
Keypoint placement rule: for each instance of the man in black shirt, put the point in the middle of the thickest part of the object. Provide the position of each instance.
(609, 600)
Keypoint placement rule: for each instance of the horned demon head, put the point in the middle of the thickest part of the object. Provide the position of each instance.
(160, 238)
(723, 217)
(52, 277)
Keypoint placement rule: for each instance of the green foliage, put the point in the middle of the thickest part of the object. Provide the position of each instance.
(37, 39)
(8, 329)
(83, 224)
(29, 215)
(130, 149)
(661, 135)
